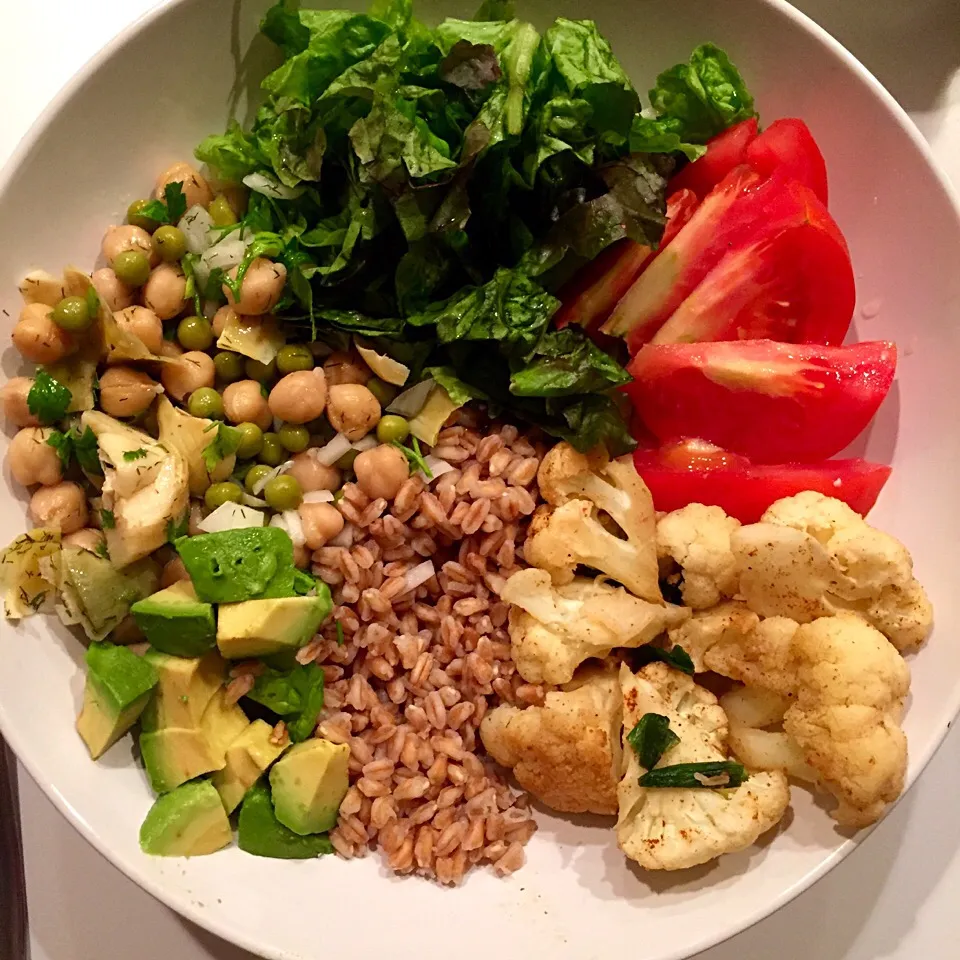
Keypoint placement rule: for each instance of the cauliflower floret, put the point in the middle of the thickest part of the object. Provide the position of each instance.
(675, 828)
(567, 752)
(825, 558)
(616, 493)
(697, 538)
(556, 628)
(707, 628)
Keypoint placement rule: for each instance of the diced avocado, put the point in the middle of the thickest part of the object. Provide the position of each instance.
(117, 689)
(258, 628)
(187, 822)
(309, 784)
(174, 621)
(295, 694)
(262, 834)
(173, 756)
(236, 565)
(249, 756)
(221, 724)
(186, 687)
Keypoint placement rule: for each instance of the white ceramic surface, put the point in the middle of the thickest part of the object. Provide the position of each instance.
(575, 898)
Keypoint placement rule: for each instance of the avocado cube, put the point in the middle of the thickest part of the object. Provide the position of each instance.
(175, 622)
(221, 724)
(262, 834)
(117, 690)
(187, 822)
(186, 686)
(173, 756)
(249, 756)
(309, 784)
(257, 628)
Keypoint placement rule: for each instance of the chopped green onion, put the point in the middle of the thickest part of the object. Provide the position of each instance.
(712, 775)
(651, 738)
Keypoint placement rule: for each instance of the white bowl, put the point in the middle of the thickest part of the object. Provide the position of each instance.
(102, 143)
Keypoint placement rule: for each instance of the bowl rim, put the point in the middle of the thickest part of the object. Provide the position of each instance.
(184, 905)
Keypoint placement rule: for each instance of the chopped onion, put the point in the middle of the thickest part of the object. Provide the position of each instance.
(196, 224)
(366, 443)
(271, 187)
(411, 401)
(386, 368)
(331, 452)
(318, 496)
(419, 575)
(225, 254)
(231, 516)
(267, 477)
(289, 520)
(254, 501)
(437, 467)
(345, 537)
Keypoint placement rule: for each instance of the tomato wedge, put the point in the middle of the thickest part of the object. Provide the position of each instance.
(771, 402)
(724, 152)
(683, 474)
(788, 144)
(760, 257)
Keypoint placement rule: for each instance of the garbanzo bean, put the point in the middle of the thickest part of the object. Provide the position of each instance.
(164, 292)
(313, 475)
(170, 349)
(381, 471)
(301, 556)
(173, 572)
(89, 539)
(38, 338)
(244, 402)
(342, 367)
(32, 460)
(299, 397)
(121, 238)
(116, 295)
(196, 190)
(144, 324)
(15, 409)
(62, 507)
(192, 371)
(261, 288)
(220, 319)
(352, 410)
(321, 523)
(125, 392)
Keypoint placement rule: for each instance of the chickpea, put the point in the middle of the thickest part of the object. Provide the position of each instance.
(38, 338)
(62, 506)
(196, 190)
(192, 371)
(243, 402)
(261, 288)
(220, 320)
(119, 239)
(32, 460)
(193, 521)
(342, 367)
(144, 324)
(301, 557)
(321, 523)
(313, 475)
(127, 632)
(89, 539)
(164, 292)
(381, 471)
(352, 410)
(173, 572)
(299, 397)
(116, 295)
(15, 407)
(125, 392)
(170, 349)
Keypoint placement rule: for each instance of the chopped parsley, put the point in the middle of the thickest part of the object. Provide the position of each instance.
(107, 520)
(225, 443)
(651, 738)
(712, 775)
(62, 443)
(171, 208)
(138, 454)
(85, 449)
(101, 550)
(678, 658)
(48, 399)
(415, 458)
(178, 528)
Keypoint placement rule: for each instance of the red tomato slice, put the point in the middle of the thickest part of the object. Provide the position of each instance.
(679, 476)
(788, 144)
(771, 402)
(681, 206)
(724, 152)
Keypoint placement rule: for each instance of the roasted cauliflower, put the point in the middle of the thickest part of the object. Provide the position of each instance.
(567, 752)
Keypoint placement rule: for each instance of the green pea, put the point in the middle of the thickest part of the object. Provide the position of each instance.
(132, 267)
(221, 212)
(283, 493)
(272, 451)
(384, 392)
(254, 475)
(392, 428)
(194, 333)
(261, 371)
(206, 402)
(251, 440)
(73, 314)
(136, 217)
(220, 493)
(229, 366)
(170, 243)
(294, 438)
(294, 357)
(346, 461)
